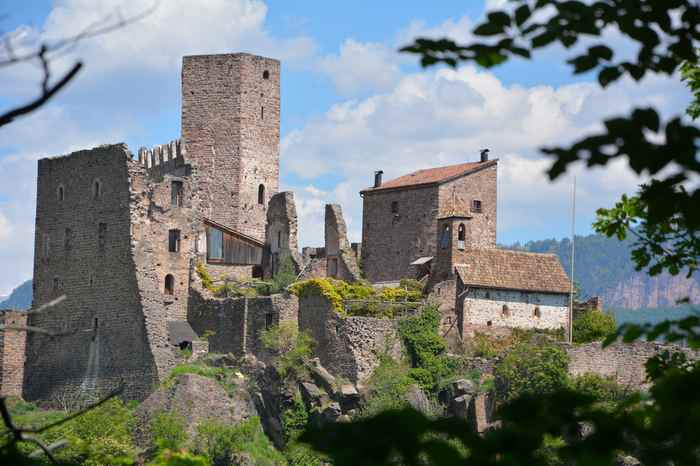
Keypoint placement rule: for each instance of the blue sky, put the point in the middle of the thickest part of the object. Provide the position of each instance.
(350, 104)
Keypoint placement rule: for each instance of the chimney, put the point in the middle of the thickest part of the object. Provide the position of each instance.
(378, 178)
(484, 155)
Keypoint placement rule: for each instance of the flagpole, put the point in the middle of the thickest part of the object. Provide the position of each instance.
(573, 238)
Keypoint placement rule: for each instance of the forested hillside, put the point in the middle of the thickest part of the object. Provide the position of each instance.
(604, 268)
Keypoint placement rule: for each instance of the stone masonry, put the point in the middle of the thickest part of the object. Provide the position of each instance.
(12, 347)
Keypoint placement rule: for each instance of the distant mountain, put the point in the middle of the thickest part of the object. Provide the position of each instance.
(20, 299)
(603, 268)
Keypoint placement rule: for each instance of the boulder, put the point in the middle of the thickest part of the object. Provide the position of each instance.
(349, 397)
(322, 377)
(311, 394)
(419, 400)
(463, 387)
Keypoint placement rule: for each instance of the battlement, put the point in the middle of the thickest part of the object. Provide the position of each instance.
(162, 158)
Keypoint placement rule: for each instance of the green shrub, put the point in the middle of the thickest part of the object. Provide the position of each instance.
(178, 458)
(167, 430)
(295, 418)
(602, 388)
(411, 284)
(292, 348)
(530, 369)
(593, 326)
(387, 386)
(219, 442)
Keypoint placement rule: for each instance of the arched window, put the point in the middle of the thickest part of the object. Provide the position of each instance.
(461, 235)
(445, 238)
(266, 74)
(60, 193)
(537, 313)
(96, 189)
(395, 207)
(261, 194)
(169, 284)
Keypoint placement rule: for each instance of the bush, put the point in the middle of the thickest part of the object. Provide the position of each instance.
(530, 369)
(292, 348)
(219, 443)
(387, 386)
(411, 284)
(167, 430)
(593, 326)
(601, 388)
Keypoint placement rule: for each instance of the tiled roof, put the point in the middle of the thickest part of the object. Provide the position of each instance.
(513, 270)
(432, 175)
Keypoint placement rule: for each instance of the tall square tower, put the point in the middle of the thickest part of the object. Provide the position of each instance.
(231, 131)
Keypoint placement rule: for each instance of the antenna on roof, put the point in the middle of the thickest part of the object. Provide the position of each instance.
(484, 155)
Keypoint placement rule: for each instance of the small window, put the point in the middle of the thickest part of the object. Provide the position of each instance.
(176, 189)
(261, 194)
(268, 320)
(489, 323)
(56, 284)
(169, 284)
(476, 205)
(461, 236)
(445, 238)
(68, 239)
(96, 189)
(102, 236)
(174, 240)
(262, 113)
(266, 74)
(215, 244)
(279, 240)
(505, 312)
(60, 193)
(394, 207)
(537, 313)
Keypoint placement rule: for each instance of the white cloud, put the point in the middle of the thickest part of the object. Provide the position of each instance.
(444, 116)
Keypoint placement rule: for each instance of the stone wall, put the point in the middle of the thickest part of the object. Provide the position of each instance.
(281, 234)
(12, 350)
(350, 346)
(340, 258)
(83, 250)
(479, 308)
(624, 362)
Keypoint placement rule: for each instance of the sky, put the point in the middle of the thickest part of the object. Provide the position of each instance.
(351, 104)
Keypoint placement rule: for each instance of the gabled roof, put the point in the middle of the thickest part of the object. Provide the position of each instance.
(513, 270)
(430, 176)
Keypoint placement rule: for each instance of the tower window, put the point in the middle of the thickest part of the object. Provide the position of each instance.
(476, 205)
(96, 189)
(261, 194)
(60, 193)
(176, 189)
(445, 238)
(266, 74)
(102, 236)
(279, 239)
(169, 284)
(262, 113)
(461, 236)
(174, 240)
(395, 207)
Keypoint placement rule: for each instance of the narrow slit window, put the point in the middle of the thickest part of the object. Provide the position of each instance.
(68, 239)
(176, 190)
(60, 193)
(169, 284)
(537, 313)
(174, 240)
(96, 189)
(102, 236)
(461, 236)
(262, 112)
(279, 239)
(261, 194)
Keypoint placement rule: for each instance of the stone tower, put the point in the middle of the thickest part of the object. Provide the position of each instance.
(231, 130)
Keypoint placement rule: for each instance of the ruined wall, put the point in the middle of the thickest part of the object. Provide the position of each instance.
(265, 312)
(390, 242)
(515, 309)
(12, 350)
(351, 346)
(230, 127)
(624, 362)
(341, 261)
(83, 249)
(281, 234)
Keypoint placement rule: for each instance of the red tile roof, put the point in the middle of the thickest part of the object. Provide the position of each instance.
(432, 175)
(513, 270)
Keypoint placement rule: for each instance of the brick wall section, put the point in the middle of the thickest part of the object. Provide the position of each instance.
(351, 346)
(12, 350)
(623, 362)
(230, 128)
(97, 275)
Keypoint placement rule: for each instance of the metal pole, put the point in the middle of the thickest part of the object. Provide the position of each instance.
(573, 238)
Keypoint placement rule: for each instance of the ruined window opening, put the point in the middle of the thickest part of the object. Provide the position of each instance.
(60, 193)
(101, 236)
(445, 239)
(395, 207)
(185, 345)
(461, 236)
(537, 313)
(176, 189)
(174, 240)
(96, 189)
(169, 284)
(68, 239)
(215, 244)
(279, 240)
(266, 74)
(261, 194)
(505, 312)
(268, 320)
(476, 205)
